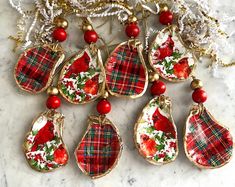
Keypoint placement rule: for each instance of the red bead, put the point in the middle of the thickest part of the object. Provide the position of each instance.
(199, 96)
(158, 88)
(132, 30)
(90, 36)
(53, 102)
(166, 17)
(103, 106)
(59, 34)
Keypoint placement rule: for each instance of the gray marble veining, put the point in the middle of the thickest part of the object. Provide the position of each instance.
(17, 110)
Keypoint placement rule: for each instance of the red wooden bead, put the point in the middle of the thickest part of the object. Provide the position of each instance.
(59, 34)
(199, 96)
(132, 30)
(158, 88)
(53, 102)
(166, 17)
(90, 36)
(103, 106)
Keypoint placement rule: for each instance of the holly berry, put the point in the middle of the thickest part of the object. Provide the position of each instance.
(158, 88)
(53, 102)
(132, 30)
(166, 17)
(59, 34)
(199, 95)
(103, 106)
(90, 36)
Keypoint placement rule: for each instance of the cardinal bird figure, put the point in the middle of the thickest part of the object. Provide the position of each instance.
(161, 123)
(44, 135)
(44, 148)
(79, 65)
(166, 49)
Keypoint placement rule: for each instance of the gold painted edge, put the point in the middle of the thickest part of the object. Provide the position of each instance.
(61, 129)
(196, 109)
(171, 28)
(100, 63)
(140, 51)
(138, 123)
(59, 61)
(90, 121)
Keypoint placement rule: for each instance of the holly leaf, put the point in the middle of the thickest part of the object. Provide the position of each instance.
(156, 158)
(50, 157)
(159, 139)
(160, 147)
(150, 130)
(49, 150)
(34, 132)
(176, 55)
(166, 158)
(170, 71)
(92, 71)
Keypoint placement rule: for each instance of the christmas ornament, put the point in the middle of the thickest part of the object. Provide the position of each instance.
(207, 143)
(191, 32)
(82, 78)
(155, 131)
(35, 68)
(101, 146)
(126, 73)
(169, 57)
(44, 148)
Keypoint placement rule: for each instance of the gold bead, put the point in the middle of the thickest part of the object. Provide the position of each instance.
(105, 94)
(195, 84)
(132, 19)
(61, 22)
(52, 91)
(153, 77)
(163, 7)
(87, 27)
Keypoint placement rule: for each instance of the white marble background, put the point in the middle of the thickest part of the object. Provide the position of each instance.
(17, 110)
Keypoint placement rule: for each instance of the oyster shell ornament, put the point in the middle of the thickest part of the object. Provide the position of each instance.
(100, 148)
(44, 148)
(155, 133)
(82, 78)
(36, 67)
(126, 73)
(206, 143)
(169, 57)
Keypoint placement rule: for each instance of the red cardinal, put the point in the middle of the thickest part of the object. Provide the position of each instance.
(79, 65)
(44, 135)
(92, 85)
(182, 69)
(161, 123)
(61, 155)
(148, 146)
(165, 50)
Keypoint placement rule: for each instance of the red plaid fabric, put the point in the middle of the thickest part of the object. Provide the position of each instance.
(208, 143)
(34, 68)
(98, 150)
(125, 74)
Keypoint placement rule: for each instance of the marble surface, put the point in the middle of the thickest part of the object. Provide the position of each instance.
(17, 110)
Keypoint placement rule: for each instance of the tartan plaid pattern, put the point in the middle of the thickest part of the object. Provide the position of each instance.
(98, 150)
(125, 74)
(34, 68)
(208, 143)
